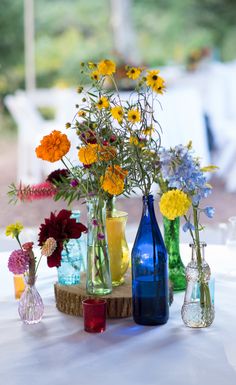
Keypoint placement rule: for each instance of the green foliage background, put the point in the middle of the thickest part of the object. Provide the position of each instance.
(68, 32)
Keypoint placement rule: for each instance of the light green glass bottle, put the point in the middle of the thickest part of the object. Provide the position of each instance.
(176, 267)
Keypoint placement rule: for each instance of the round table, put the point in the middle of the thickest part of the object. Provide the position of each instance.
(57, 351)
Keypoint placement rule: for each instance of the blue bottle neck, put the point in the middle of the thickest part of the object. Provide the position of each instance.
(148, 206)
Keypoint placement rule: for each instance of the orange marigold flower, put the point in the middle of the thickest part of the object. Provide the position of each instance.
(112, 183)
(113, 180)
(119, 171)
(88, 154)
(53, 147)
(107, 153)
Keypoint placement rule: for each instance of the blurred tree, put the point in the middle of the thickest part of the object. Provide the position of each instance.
(217, 16)
(11, 45)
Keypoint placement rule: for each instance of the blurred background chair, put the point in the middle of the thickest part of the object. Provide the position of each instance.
(31, 127)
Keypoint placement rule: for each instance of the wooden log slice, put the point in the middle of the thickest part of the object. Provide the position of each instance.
(119, 302)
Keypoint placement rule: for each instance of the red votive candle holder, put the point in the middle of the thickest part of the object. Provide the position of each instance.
(94, 315)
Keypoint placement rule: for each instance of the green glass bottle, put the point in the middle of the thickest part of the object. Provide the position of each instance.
(176, 267)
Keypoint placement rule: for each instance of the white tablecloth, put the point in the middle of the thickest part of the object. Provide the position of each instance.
(58, 351)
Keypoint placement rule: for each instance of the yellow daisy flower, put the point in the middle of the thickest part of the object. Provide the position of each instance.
(148, 130)
(117, 113)
(152, 77)
(81, 113)
(106, 67)
(133, 140)
(103, 102)
(133, 73)
(95, 75)
(14, 229)
(88, 154)
(134, 116)
(174, 203)
(159, 87)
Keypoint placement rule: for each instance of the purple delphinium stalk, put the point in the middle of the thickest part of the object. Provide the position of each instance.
(182, 171)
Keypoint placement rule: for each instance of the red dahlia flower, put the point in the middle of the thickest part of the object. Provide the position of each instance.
(60, 227)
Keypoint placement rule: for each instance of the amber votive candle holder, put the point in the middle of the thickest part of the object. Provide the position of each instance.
(19, 285)
(94, 315)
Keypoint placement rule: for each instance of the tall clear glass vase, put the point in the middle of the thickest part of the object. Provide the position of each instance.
(198, 308)
(98, 264)
(176, 266)
(149, 270)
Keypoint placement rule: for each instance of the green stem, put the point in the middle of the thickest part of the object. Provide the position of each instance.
(205, 298)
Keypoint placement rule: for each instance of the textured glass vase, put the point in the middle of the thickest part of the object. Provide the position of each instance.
(198, 308)
(98, 262)
(149, 270)
(117, 245)
(30, 306)
(72, 257)
(176, 267)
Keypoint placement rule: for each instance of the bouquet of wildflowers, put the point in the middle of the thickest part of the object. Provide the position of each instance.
(116, 151)
(183, 185)
(141, 130)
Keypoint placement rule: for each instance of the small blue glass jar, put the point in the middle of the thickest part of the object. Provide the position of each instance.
(149, 271)
(73, 258)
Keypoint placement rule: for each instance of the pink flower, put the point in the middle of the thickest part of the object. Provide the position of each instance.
(101, 236)
(35, 192)
(18, 262)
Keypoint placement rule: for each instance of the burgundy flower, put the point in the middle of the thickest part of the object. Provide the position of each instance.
(112, 138)
(57, 175)
(60, 227)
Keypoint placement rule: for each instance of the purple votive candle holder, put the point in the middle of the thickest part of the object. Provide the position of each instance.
(94, 315)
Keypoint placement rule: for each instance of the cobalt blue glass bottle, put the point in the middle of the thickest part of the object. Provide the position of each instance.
(149, 271)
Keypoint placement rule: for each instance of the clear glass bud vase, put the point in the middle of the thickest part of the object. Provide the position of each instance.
(176, 266)
(198, 308)
(30, 305)
(98, 264)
